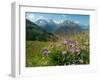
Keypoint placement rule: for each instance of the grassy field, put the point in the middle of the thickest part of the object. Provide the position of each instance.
(67, 50)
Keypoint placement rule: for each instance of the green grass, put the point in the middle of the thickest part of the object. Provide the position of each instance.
(34, 57)
(33, 52)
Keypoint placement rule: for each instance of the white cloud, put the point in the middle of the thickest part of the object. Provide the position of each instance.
(39, 17)
(63, 15)
(58, 21)
(77, 22)
(30, 16)
(34, 17)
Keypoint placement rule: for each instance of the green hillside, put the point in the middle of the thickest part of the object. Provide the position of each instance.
(34, 32)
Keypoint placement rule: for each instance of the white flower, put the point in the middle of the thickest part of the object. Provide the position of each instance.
(81, 61)
(64, 52)
(65, 42)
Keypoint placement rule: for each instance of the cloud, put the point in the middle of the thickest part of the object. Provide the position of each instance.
(30, 16)
(63, 16)
(34, 17)
(58, 21)
(39, 17)
(77, 22)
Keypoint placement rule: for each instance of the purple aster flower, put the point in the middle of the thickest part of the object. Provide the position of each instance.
(45, 52)
(74, 50)
(71, 43)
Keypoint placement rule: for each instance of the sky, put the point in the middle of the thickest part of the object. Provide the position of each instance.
(57, 17)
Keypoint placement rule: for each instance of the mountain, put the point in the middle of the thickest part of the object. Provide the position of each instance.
(69, 26)
(35, 32)
(48, 29)
(84, 26)
(48, 25)
(66, 26)
(42, 23)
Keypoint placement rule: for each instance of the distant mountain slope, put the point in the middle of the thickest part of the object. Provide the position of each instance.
(44, 30)
(35, 32)
(49, 26)
(68, 26)
(64, 26)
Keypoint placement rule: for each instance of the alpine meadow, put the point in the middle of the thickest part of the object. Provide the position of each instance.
(56, 39)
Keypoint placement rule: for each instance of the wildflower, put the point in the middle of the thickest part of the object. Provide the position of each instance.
(65, 42)
(45, 52)
(74, 50)
(64, 52)
(71, 43)
(81, 61)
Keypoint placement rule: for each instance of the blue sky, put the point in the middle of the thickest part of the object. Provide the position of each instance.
(82, 19)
